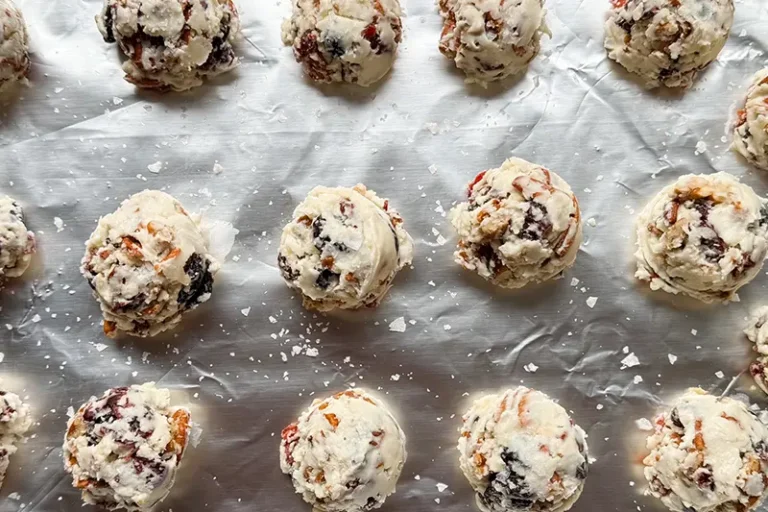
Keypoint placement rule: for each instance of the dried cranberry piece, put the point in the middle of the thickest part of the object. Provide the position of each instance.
(371, 34)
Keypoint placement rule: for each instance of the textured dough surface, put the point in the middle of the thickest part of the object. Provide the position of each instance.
(172, 44)
(704, 236)
(757, 332)
(708, 454)
(491, 39)
(14, 44)
(521, 452)
(521, 225)
(750, 136)
(351, 41)
(667, 42)
(345, 453)
(17, 243)
(15, 420)
(123, 449)
(148, 263)
(343, 248)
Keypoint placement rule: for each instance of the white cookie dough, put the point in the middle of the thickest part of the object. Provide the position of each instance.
(667, 42)
(345, 453)
(17, 243)
(351, 41)
(172, 44)
(15, 420)
(491, 39)
(750, 135)
(148, 263)
(343, 248)
(123, 449)
(14, 44)
(708, 454)
(521, 452)
(757, 332)
(521, 225)
(704, 236)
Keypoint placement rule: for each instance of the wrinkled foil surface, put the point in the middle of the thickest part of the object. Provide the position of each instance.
(249, 146)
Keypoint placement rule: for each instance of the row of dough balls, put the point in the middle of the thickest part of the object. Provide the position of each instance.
(705, 236)
(519, 450)
(175, 44)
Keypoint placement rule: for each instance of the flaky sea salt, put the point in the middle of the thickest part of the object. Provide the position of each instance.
(630, 361)
(591, 302)
(397, 325)
(155, 168)
(644, 424)
(672, 358)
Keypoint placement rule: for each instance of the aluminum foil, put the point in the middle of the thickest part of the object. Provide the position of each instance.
(248, 147)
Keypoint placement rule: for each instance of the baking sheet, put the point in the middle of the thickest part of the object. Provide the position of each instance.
(80, 139)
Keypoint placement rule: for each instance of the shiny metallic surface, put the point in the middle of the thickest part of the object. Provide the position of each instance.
(80, 139)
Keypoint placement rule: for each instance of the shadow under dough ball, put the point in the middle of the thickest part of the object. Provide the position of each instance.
(17, 243)
(343, 248)
(520, 225)
(172, 44)
(667, 42)
(491, 40)
(351, 41)
(704, 236)
(345, 453)
(124, 448)
(708, 454)
(148, 263)
(521, 452)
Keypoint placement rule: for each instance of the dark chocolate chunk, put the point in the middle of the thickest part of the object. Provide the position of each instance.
(197, 268)
(507, 487)
(327, 279)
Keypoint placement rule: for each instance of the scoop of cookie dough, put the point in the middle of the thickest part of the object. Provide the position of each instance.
(14, 44)
(491, 39)
(15, 420)
(522, 224)
(704, 236)
(148, 263)
(123, 449)
(351, 41)
(750, 136)
(757, 332)
(708, 454)
(172, 44)
(343, 248)
(17, 243)
(667, 42)
(521, 451)
(345, 453)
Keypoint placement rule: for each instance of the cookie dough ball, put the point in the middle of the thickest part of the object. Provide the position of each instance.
(521, 451)
(707, 454)
(17, 243)
(521, 225)
(704, 236)
(343, 248)
(757, 332)
(491, 39)
(124, 448)
(172, 44)
(667, 42)
(148, 264)
(351, 41)
(750, 137)
(14, 44)
(15, 420)
(345, 453)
